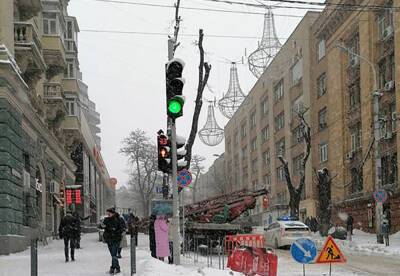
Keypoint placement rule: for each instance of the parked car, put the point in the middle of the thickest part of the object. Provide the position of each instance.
(100, 230)
(338, 232)
(284, 233)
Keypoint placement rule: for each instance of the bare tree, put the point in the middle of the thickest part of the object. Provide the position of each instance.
(295, 193)
(197, 168)
(204, 73)
(142, 156)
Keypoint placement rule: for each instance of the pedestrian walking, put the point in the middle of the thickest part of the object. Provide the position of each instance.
(68, 230)
(386, 231)
(152, 236)
(349, 227)
(170, 243)
(124, 242)
(80, 219)
(113, 229)
(161, 231)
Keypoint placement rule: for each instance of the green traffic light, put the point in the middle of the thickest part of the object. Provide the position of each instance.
(174, 106)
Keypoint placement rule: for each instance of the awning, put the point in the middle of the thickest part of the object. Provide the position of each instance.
(57, 199)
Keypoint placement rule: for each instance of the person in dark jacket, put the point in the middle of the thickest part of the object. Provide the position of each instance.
(69, 231)
(349, 226)
(113, 229)
(152, 236)
(80, 219)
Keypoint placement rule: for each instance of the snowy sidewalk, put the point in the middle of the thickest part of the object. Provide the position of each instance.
(94, 259)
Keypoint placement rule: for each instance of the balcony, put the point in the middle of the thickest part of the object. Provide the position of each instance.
(54, 54)
(53, 92)
(28, 8)
(71, 123)
(71, 85)
(28, 50)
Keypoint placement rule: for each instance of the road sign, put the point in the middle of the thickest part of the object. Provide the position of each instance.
(330, 253)
(380, 195)
(303, 250)
(184, 178)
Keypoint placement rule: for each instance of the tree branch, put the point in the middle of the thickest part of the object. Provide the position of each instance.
(204, 73)
(176, 27)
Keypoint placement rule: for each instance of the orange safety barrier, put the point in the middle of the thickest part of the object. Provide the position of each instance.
(247, 254)
(249, 240)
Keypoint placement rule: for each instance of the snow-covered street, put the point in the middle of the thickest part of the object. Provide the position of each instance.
(94, 259)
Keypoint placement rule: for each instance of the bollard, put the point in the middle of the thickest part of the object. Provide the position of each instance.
(34, 257)
(133, 255)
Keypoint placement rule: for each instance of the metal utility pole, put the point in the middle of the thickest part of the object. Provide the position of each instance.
(175, 199)
(377, 137)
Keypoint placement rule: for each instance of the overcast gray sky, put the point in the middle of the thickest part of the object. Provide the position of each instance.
(125, 72)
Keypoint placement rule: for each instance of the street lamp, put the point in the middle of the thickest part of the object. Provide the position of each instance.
(376, 94)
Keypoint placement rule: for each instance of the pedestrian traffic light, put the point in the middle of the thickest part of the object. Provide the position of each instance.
(163, 147)
(174, 84)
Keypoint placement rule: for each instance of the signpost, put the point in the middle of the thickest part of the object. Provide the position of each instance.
(330, 254)
(380, 196)
(184, 178)
(303, 250)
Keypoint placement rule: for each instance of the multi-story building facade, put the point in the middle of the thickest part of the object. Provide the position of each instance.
(49, 127)
(214, 182)
(353, 50)
(266, 126)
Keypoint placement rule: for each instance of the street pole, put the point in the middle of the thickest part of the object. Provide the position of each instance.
(175, 199)
(183, 219)
(34, 257)
(377, 137)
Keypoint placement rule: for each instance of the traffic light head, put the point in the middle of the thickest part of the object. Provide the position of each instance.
(163, 152)
(175, 83)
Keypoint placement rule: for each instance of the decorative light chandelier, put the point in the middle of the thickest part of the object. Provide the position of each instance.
(211, 134)
(234, 97)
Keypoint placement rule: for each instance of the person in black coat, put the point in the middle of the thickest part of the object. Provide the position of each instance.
(152, 236)
(113, 229)
(69, 231)
(123, 237)
(80, 219)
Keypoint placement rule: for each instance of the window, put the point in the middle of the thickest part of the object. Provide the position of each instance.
(49, 23)
(297, 135)
(254, 165)
(266, 158)
(27, 163)
(280, 174)
(322, 119)
(280, 147)
(389, 169)
(296, 72)
(354, 96)
(244, 152)
(323, 153)
(264, 107)
(321, 84)
(243, 131)
(253, 120)
(70, 34)
(278, 91)
(253, 144)
(70, 69)
(354, 47)
(279, 121)
(355, 138)
(392, 67)
(71, 107)
(321, 49)
(265, 134)
(297, 164)
(267, 181)
(356, 180)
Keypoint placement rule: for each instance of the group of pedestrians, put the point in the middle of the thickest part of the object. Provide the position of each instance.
(312, 223)
(160, 238)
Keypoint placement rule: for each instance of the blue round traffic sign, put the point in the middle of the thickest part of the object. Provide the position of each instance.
(184, 178)
(303, 250)
(380, 195)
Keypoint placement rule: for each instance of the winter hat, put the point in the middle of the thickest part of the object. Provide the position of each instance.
(111, 210)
